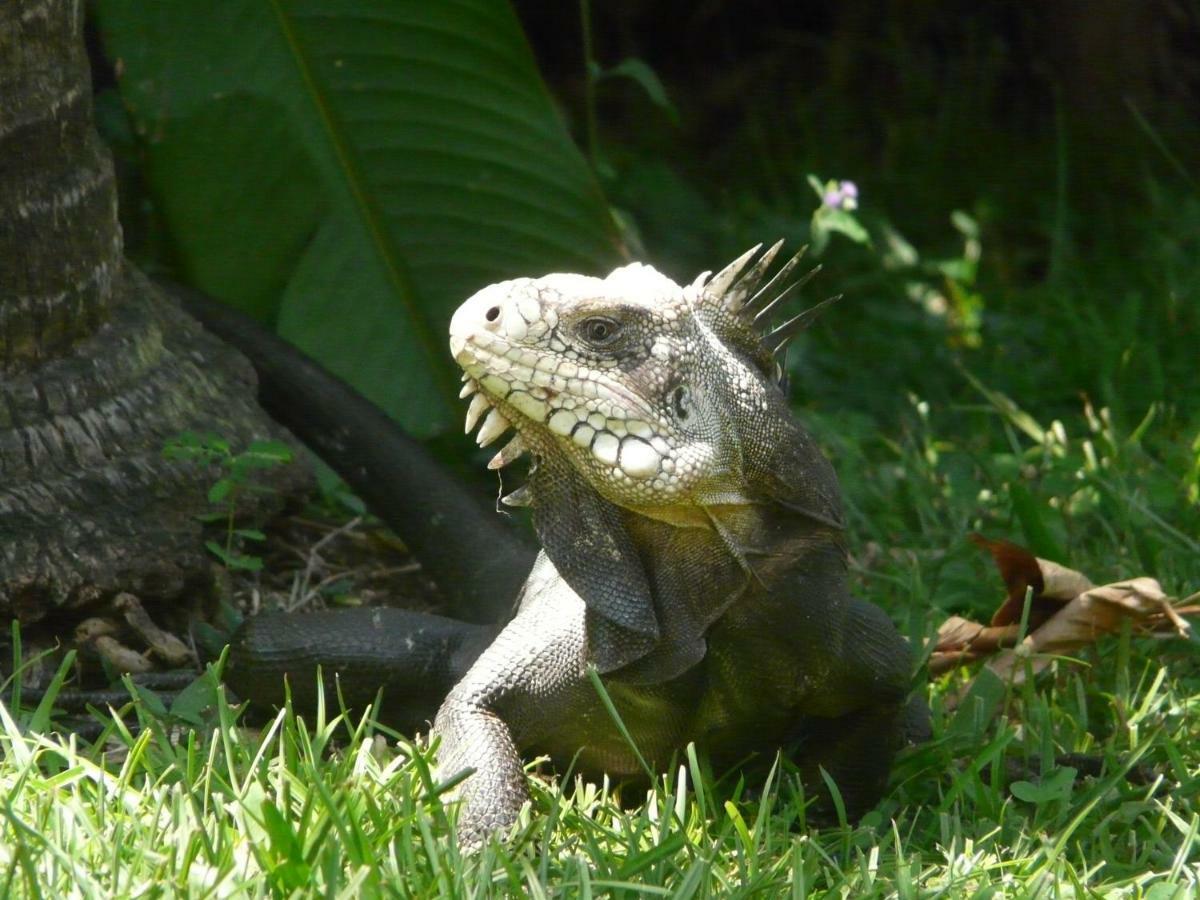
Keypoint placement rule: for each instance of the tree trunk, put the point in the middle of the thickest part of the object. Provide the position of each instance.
(97, 368)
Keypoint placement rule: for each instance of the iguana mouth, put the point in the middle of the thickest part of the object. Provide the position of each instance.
(495, 423)
(544, 396)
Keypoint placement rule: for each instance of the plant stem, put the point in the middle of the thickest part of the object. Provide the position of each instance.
(589, 80)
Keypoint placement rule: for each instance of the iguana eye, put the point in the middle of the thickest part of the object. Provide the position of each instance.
(681, 402)
(599, 330)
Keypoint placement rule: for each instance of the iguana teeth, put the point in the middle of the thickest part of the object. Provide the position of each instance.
(467, 390)
(520, 497)
(493, 426)
(478, 405)
(510, 452)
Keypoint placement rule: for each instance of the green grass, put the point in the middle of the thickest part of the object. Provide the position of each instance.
(336, 808)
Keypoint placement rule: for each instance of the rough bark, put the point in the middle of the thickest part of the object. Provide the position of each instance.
(97, 368)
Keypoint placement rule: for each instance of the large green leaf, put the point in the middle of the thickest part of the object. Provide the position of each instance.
(351, 170)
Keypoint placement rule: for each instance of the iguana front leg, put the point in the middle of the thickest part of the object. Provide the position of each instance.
(865, 715)
(855, 750)
(534, 673)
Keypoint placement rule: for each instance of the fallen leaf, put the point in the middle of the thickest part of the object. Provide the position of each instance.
(960, 641)
(1045, 582)
(1067, 612)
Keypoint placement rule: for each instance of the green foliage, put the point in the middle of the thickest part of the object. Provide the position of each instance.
(236, 478)
(351, 172)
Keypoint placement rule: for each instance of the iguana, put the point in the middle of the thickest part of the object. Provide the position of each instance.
(691, 552)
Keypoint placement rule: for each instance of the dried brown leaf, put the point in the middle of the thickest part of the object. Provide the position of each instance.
(1061, 583)
(1020, 571)
(1048, 584)
(960, 641)
(1091, 615)
(1069, 612)
(120, 657)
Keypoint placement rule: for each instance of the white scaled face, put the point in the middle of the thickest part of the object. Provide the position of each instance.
(597, 369)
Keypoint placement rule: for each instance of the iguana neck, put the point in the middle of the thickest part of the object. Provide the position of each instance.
(715, 549)
(761, 543)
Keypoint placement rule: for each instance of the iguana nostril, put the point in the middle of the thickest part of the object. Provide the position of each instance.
(492, 314)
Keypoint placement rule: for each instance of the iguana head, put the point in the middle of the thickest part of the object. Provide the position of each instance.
(663, 397)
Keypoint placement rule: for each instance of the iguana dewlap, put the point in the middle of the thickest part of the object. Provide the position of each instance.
(691, 544)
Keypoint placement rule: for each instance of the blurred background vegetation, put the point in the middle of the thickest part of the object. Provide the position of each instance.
(1066, 130)
(1017, 350)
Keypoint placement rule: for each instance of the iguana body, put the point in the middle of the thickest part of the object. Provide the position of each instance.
(691, 548)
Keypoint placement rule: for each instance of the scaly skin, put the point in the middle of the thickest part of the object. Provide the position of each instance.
(691, 535)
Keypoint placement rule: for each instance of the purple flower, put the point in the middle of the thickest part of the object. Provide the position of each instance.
(841, 195)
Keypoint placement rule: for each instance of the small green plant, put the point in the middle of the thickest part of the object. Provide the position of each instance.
(236, 480)
(835, 215)
(1193, 477)
(943, 288)
(630, 69)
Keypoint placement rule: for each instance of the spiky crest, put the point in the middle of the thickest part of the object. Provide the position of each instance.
(723, 280)
(739, 311)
